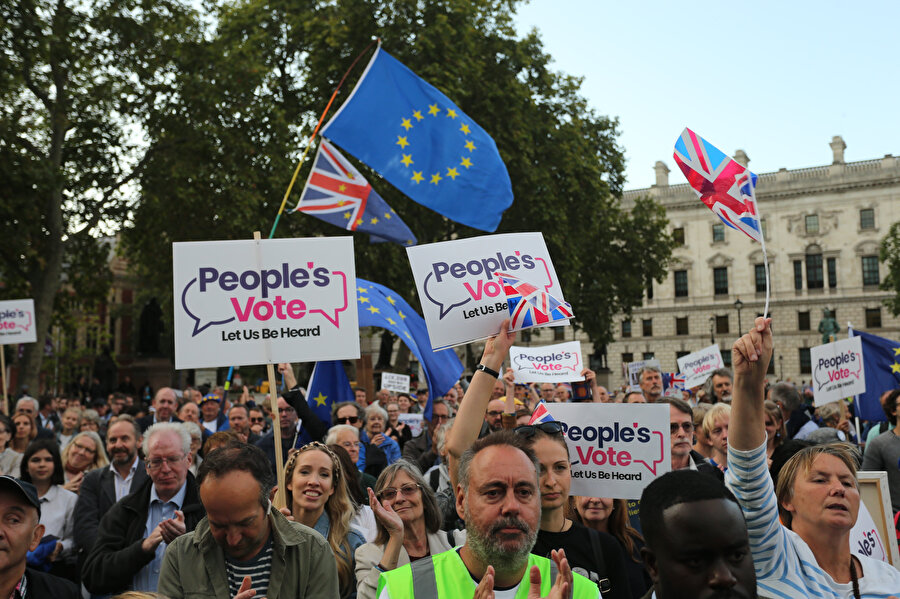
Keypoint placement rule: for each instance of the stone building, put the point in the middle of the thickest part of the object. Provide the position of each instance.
(822, 226)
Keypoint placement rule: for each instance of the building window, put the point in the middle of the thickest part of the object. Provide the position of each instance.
(870, 270)
(559, 333)
(627, 358)
(814, 278)
(650, 289)
(722, 325)
(681, 354)
(832, 272)
(681, 326)
(648, 355)
(798, 275)
(726, 359)
(681, 283)
(805, 362)
(647, 327)
(812, 223)
(720, 280)
(759, 273)
(718, 232)
(803, 321)
(867, 218)
(626, 328)
(678, 236)
(873, 318)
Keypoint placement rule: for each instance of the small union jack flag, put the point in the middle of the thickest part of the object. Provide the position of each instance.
(726, 187)
(672, 380)
(541, 414)
(531, 306)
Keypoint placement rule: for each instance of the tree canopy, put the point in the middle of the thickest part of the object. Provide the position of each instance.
(890, 256)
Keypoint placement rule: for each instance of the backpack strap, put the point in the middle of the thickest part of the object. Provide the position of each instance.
(424, 580)
(603, 583)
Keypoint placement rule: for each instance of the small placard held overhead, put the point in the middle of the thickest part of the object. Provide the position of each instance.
(17, 322)
(398, 383)
(560, 363)
(837, 370)
(697, 367)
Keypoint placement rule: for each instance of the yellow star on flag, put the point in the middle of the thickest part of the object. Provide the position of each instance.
(464, 128)
(391, 320)
(387, 215)
(469, 145)
(452, 173)
(435, 178)
(342, 187)
(390, 300)
(433, 109)
(401, 141)
(374, 221)
(373, 310)
(320, 399)
(407, 159)
(347, 215)
(342, 202)
(895, 367)
(359, 221)
(408, 336)
(466, 162)
(363, 300)
(417, 176)
(361, 289)
(451, 113)
(418, 115)
(897, 351)
(401, 314)
(406, 124)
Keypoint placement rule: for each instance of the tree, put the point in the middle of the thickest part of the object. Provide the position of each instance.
(890, 256)
(258, 85)
(77, 77)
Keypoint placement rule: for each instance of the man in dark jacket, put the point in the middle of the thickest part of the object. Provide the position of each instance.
(133, 535)
(164, 406)
(681, 418)
(21, 531)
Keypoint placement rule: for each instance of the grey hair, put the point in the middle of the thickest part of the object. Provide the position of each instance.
(129, 419)
(193, 429)
(375, 409)
(91, 415)
(167, 427)
(786, 394)
(708, 385)
(34, 402)
(648, 368)
(441, 402)
(431, 512)
(440, 435)
(334, 431)
(499, 438)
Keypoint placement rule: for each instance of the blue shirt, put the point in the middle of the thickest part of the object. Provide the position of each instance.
(148, 577)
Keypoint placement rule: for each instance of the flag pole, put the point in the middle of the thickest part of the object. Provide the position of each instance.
(312, 137)
(762, 241)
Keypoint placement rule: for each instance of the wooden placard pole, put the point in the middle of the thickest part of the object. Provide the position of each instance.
(3, 370)
(280, 501)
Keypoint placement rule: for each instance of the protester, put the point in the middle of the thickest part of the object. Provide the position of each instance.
(797, 422)
(610, 516)
(189, 412)
(21, 532)
(438, 476)
(702, 444)
(408, 522)
(651, 384)
(42, 467)
(70, 423)
(799, 532)
(715, 428)
(134, 534)
(681, 429)
(883, 452)
(363, 518)
(258, 421)
(83, 453)
(196, 434)
(396, 430)
(297, 424)
(718, 386)
(404, 402)
(377, 450)
(25, 431)
(696, 539)
(420, 450)
(317, 496)
(775, 434)
(244, 544)
(212, 419)
(10, 459)
(164, 405)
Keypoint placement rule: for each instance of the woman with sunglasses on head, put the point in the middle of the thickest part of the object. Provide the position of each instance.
(409, 526)
(595, 555)
(316, 492)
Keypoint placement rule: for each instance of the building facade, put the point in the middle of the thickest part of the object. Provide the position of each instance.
(822, 225)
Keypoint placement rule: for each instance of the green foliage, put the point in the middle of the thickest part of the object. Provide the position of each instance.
(890, 256)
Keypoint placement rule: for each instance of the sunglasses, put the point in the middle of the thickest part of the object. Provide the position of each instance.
(550, 428)
(260, 419)
(346, 419)
(407, 490)
(687, 427)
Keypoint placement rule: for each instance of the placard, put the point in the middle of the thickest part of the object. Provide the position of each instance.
(837, 370)
(264, 301)
(696, 367)
(559, 363)
(461, 299)
(616, 449)
(633, 372)
(17, 322)
(874, 534)
(398, 383)
(413, 421)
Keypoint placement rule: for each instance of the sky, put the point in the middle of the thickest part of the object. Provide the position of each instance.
(775, 79)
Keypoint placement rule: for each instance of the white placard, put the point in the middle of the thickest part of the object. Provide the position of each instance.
(17, 322)
(696, 367)
(264, 302)
(398, 383)
(634, 372)
(560, 363)
(462, 300)
(413, 421)
(864, 537)
(837, 370)
(616, 449)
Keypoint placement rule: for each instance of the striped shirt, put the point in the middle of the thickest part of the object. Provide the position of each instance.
(257, 568)
(785, 565)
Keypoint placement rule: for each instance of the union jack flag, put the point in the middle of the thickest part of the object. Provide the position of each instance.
(673, 380)
(531, 306)
(726, 187)
(541, 414)
(338, 194)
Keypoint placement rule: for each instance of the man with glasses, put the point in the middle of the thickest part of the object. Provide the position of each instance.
(347, 412)
(420, 450)
(133, 535)
(681, 428)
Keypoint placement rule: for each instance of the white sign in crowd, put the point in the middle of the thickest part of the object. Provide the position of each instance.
(837, 370)
(696, 367)
(559, 363)
(398, 383)
(17, 322)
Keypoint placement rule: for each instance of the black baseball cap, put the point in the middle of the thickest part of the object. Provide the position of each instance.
(26, 490)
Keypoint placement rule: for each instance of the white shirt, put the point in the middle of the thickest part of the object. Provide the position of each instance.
(58, 516)
(123, 485)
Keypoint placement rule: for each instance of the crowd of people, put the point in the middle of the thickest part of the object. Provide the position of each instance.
(175, 499)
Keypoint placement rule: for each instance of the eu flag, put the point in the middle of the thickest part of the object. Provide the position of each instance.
(881, 359)
(381, 307)
(328, 386)
(417, 139)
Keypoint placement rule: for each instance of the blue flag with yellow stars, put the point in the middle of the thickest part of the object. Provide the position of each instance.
(881, 361)
(328, 386)
(423, 144)
(381, 307)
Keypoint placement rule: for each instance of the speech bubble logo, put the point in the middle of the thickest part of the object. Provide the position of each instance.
(825, 373)
(334, 317)
(199, 327)
(445, 303)
(22, 319)
(653, 465)
(522, 363)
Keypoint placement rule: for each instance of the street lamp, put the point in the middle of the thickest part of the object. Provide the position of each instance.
(712, 325)
(781, 367)
(738, 304)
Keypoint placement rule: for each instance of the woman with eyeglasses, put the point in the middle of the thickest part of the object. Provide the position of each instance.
(377, 450)
(592, 554)
(409, 526)
(9, 458)
(83, 453)
(316, 492)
